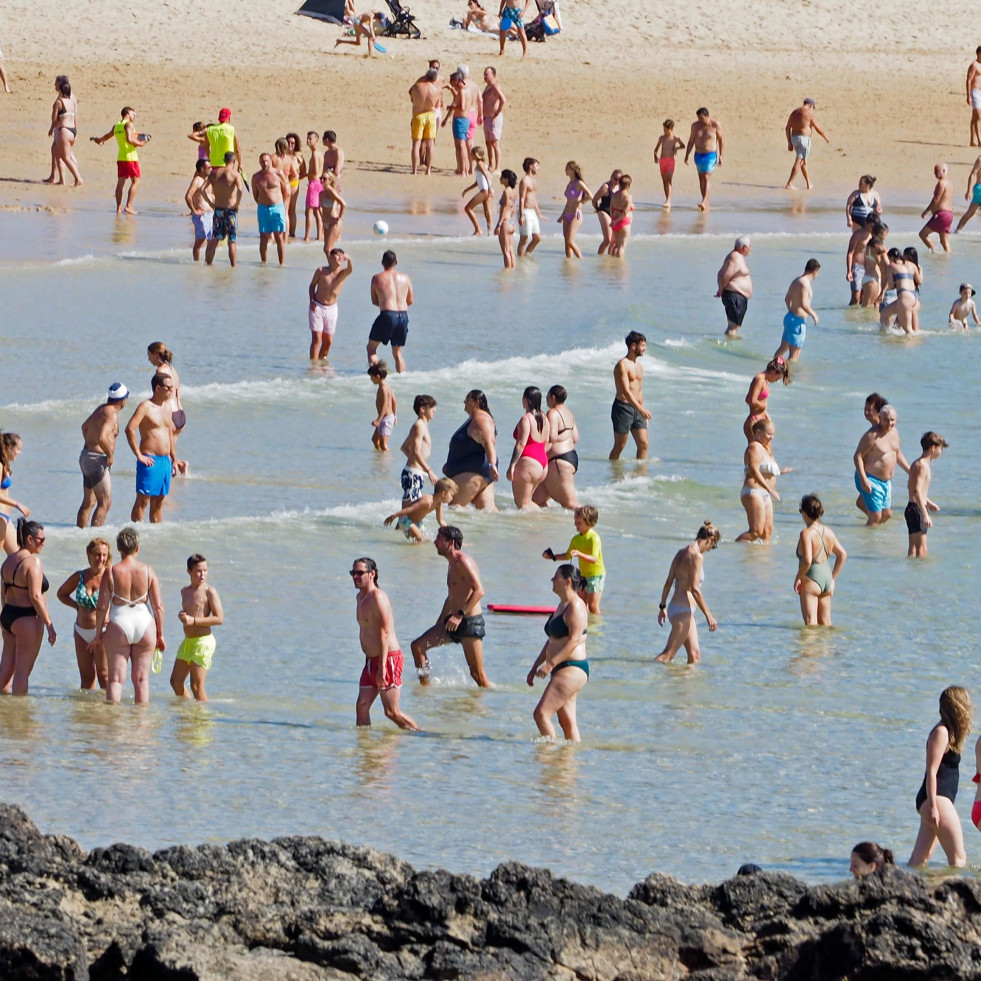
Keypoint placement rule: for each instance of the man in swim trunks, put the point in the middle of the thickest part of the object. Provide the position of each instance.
(99, 432)
(472, 107)
(201, 216)
(974, 97)
(382, 673)
(461, 620)
(325, 289)
(127, 160)
(314, 186)
(628, 412)
(708, 143)
(799, 125)
(391, 292)
(226, 187)
(972, 194)
(271, 191)
(529, 214)
(798, 301)
(735, 285)
(875, 459)
(917, 514)
(156, 451)
(492, 102)
(425, 94)
(940, 209)
(512, 14)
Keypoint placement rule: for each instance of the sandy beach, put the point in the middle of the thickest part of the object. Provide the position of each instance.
(597, 93)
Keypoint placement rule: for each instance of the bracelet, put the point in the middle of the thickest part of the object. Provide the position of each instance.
(662, 606)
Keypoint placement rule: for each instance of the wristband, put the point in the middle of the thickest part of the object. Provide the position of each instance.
(662, 606)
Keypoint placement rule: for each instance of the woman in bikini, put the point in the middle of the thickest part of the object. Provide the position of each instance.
(63, 131)
(80, 591)
(162, 359)
(563, 657)
(559, 484)
(912, 258)
(815, 579)
(571, 218)
(332, 208)
(10, 446)
(529, 459)
(759, 392)
(127, 628)
(871, 287)
(601, 203)
(901, 277)
(24, 615)
(687, 576)
(621, 205)
(482, 184)
(935, 801)
(759, 488)
(505, 221)
(299, 172)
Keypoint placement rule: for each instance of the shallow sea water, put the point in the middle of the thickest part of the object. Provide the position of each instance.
(784, 747)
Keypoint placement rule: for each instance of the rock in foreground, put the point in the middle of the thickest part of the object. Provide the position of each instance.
(304, 908)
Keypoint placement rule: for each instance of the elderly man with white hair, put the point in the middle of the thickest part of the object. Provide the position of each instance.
(735, 285)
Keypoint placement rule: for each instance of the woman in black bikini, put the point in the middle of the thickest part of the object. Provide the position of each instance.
(63, 131)
(563, 657)
(935, 801)
(24, 614)
(559, 484)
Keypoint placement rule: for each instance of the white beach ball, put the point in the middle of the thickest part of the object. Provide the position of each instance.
(381, 227)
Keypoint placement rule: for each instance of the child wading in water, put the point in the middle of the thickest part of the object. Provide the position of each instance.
(410, 517)
(917, 513)
(385, 407)
(964, 307)
(587, 547)
(200, 611)
(483, 196)
(664, 153)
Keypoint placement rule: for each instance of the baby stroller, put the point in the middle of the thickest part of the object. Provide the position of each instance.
(402, 22)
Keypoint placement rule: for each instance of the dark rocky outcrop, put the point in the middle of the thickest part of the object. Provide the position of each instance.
(295, 909)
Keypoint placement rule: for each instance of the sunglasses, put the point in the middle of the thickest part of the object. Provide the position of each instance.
(358, 572)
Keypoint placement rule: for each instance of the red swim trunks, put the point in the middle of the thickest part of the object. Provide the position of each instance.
(976, 814)
(666, 166)
(393, 672)
(941, 221)
(127, 168)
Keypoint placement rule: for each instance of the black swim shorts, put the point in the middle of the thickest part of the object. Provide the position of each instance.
(390, 327)
(626, 417)
(735, 306)
(469, 627)
(915, 523)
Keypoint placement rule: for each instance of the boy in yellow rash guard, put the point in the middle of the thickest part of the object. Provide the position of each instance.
(200, 611)
(588, 549)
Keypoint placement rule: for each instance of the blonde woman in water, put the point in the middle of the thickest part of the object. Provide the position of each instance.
(687, 576)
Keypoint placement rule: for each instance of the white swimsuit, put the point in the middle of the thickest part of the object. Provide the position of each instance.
(133, 617)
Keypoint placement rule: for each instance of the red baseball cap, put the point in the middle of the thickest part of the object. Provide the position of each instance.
(224, 115)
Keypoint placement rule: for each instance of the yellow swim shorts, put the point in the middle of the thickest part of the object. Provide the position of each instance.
(197, 650)
(424, 126)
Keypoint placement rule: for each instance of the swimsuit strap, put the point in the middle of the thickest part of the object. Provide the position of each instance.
(131, 602)
(559, 414)
(13, 576)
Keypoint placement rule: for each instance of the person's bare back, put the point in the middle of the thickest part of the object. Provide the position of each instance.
(226, 187)
(425, 96)
(391, 290)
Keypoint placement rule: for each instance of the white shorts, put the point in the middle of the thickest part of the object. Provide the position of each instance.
(387, 425)
(976, 98)
(802, 145)
(323, 318)
(530, 224)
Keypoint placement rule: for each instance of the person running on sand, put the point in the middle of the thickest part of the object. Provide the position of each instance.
(200, 611)
(505, 221)
(575, 194)
(798, 129)
(939, 821)
(815, 579)
(686, 574)
(530, 216)
(917, 513)
(964, 307)
(759, 392)
(628, 413)
(665, 154)
(483, 187)
(941, 210)
(325, 289)
(707, 141)
(601, 205)
(562, 658)
(364, 27)
(382, 672)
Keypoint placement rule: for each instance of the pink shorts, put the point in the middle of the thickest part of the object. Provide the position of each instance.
(323, 318)
(941, 222)
(493, 128)
(666, 166)
(314, 188)
(393, 672)
(473, 126)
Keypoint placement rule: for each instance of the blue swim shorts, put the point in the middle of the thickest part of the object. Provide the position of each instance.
(976, 195)
(461, 126)
(272, 218)
(794, 329)
(880, 498)
(154, 481)
(405, 525)
(705, 162)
